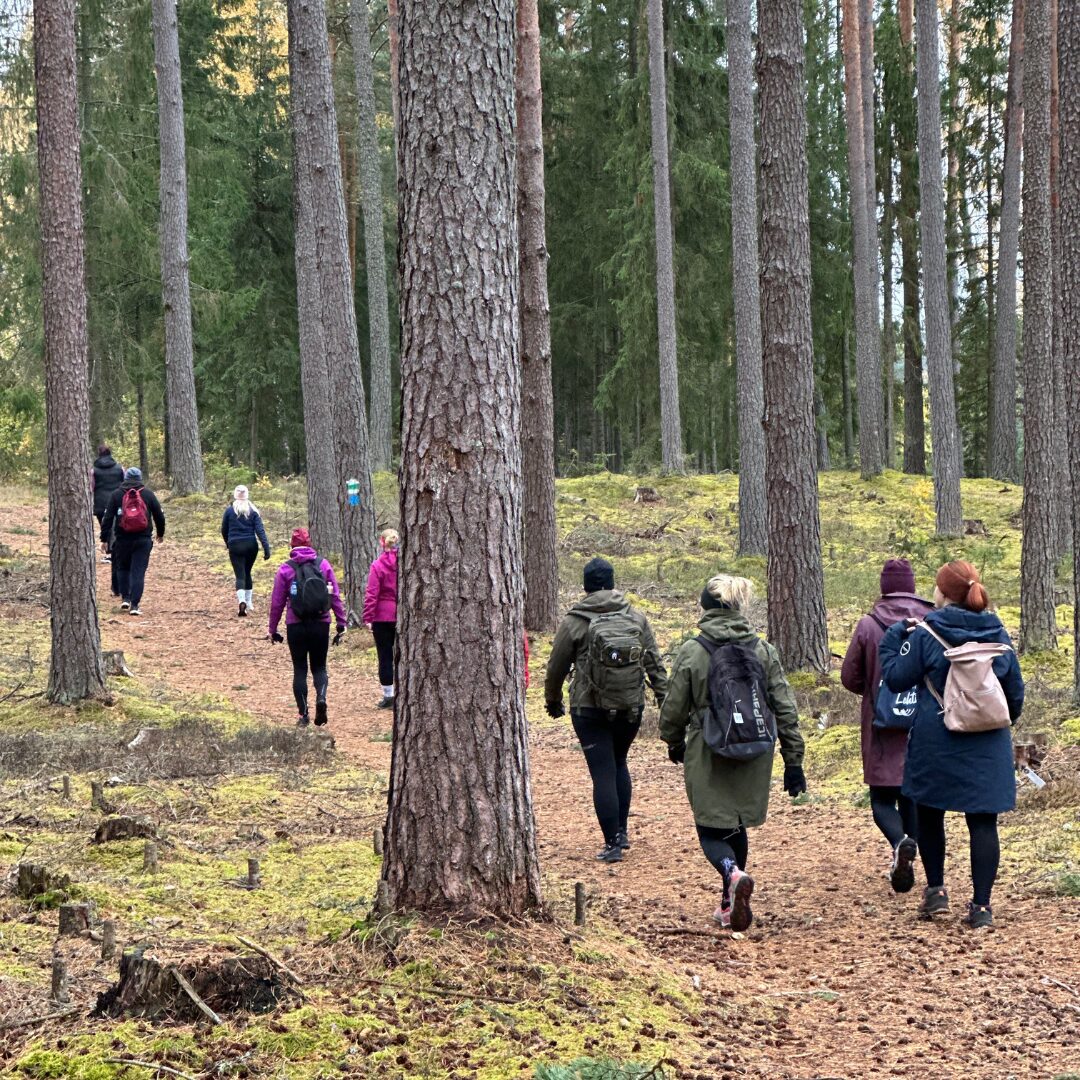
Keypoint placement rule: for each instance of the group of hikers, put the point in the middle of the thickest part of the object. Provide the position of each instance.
(939, 681)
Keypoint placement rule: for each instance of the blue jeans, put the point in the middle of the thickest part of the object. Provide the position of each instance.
(131, 557)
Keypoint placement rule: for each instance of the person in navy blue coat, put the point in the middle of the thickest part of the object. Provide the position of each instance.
(972, 773)
(243, 532)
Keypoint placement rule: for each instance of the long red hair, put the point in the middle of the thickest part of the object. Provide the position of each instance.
(959, 583)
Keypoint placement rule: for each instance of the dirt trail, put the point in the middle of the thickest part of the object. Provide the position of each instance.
(837, 978)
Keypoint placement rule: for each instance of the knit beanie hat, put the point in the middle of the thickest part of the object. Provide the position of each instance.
(599, 575)
(133, 474)
(897, 577)
(300, 538)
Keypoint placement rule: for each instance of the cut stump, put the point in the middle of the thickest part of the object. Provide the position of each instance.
(34, 881)
(113, 660)
(75, 919)
(125, 828)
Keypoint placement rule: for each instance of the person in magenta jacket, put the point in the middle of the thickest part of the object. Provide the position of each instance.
(380, 610)
(309, 639)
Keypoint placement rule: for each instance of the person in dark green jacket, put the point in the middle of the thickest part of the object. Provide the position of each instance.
(728, 796)
(606, 717)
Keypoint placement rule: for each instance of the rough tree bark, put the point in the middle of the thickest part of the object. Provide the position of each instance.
(753, 523)
(367, 138)
(867, 338)
(317, 143)
(670, 423)
(795, 578)
(460, 833)
(75, 670)
(537, 408)
(185, 450)
(1003, 463)
(1038, 557)
(944, 431)
(888, 333)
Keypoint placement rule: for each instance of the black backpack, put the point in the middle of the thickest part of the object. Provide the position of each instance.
(738, 723)
(615, 660)
(309, 593)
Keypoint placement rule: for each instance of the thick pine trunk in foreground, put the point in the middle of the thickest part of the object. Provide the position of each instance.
(670, 423)
(185, 450)
(795, 578)
(317, 148)
(944, 429)
(460, 832)
(753, 524)
(1039, 556)
(1002, 463)
(371, 202)
(537, 407)
(75, 670)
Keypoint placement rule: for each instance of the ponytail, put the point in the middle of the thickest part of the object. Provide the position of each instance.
(241, 503)
(960, 584)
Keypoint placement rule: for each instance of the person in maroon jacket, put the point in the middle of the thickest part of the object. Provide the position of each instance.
(884, 749)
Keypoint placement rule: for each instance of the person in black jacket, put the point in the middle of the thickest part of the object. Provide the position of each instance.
(243, 531)
(132, 528)
(107, 476)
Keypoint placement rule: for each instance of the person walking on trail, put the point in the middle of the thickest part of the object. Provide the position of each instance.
(611, 651)
(380, 610)
(306, 590)
(131, 516)
(727, 705)
(960, 753)
(243, 532)
(886, 718)
(106, 476)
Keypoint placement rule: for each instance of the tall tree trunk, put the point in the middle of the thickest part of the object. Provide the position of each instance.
(753, 526)
(75, 670)
(140, 423)
(1003, 464)
(944, 431)
(821, 419)
(1038, 558)
(845, 389)
(670, 422)
(888, 337)
(367, 138)
(537, 409)
(867, 337)
(914, 421)
(956, 239)
(460, 831)
(393, 24)
(185, 451)
(1068, 44)
(795, 578)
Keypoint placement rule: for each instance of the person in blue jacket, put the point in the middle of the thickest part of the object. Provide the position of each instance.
(972, 773)
(242, 530)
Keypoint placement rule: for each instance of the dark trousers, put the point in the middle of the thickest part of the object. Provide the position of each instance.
(131, 557)
(385, 634)
(724, 848)
(985, 850)
(114, 579)
(242, 555)
(606, 739)
(309, 643)
(894, 814)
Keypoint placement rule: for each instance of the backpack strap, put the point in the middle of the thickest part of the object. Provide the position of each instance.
(924, 625)
(880, 622)
(709, 646)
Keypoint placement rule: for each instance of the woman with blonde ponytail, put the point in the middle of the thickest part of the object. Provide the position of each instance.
(243, 531)
(380, 610)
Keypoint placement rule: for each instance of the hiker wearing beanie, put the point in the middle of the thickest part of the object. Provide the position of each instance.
(727, 705)
(106, 476)
(610, 649)
(380, 611)
(131, 516)
(886, 718)
(306, 590)
(242, 530)
(960, 754)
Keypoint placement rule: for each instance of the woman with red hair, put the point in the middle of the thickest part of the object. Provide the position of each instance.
(946, 770)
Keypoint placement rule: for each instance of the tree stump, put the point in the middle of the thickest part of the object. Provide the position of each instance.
(377, 841)
(125, 828)
(97, 797)
(34, 881)
(150, 857)
(75, 919)
(646, 495)
(113, 660)
(59, 993)
(65, 784)
(254, 878)
(108, 939)
(579, 904)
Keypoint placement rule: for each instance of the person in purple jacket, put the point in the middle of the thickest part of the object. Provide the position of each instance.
(884, 749)
(306, 589)
(380, 611)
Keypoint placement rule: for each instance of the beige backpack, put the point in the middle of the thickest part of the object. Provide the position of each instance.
(974, 700)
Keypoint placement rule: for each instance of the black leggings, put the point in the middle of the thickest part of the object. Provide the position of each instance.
(894, 814)
(723, 847)
(985, 850)
(385, 634)
(606, 739)
(242, 555)
(309, 642)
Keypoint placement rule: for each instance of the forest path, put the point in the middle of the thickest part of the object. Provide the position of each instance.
(836, 978)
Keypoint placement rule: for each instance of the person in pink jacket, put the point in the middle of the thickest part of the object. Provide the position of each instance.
(380, 611)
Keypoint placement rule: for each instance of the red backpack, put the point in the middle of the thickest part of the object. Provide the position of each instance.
(134, 517)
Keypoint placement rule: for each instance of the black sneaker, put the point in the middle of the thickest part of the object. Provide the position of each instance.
(242, 613)
(978, 917)
(611, 853)
(386, 703)
(902, 874)
(935, 902)
(302, 720)
(622, 840)
(320, 713)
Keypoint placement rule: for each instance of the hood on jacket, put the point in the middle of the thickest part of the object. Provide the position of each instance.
(106, 461)
(128, 485)
(958, 625)
(303, 554)
(896, 607)
(390, 556)
(725, 624)
(602, 602)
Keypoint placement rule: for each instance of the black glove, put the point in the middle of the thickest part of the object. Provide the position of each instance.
(555, 709)
(794, 780)
(266, 556)
(339, 635)
(276, 638)
(676, 752)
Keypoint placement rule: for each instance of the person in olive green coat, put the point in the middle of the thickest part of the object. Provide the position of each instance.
(728, 796)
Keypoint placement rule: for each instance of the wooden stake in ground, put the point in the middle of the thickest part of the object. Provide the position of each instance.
(150, 857)
(108, 939)
(254, 878)
(59, 994)
(579, 904)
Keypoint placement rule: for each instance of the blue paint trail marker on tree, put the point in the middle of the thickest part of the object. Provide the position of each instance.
(353, 487)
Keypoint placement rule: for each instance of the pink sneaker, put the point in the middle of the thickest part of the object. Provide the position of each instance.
(741, 888)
